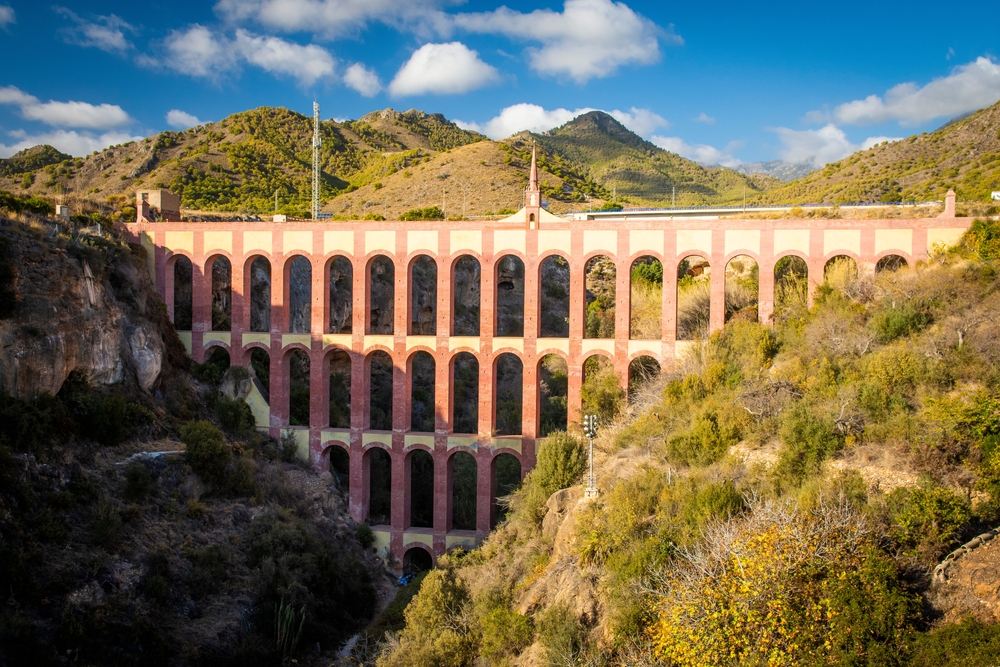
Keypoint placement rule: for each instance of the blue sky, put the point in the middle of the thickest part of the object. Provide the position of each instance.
(718, 82)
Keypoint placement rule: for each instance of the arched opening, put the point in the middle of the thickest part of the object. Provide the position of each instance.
(742, 289)
(553, 302)
(340, 389)
(510, 296)
(423, 296)
(260, 294)
(694, 298)
(423, 380)
(791, 288)
(417, 560)
(380, 391)
(299, 281)
(465, 393)
(217, 361)
(463, 484)
(260, 362)
(553, 385)
(379, 465)
(298, 388)
(508, 399)
(421, 471)
(601, 393)
(600, 276)
(341, 301)
(841, 274)
(183, 280)
(465, 294)
(646, 294)
(381, 295)
(531, 217)
(506, 471)
(890, 263)
(222, 294)
(340, 468)
(642, 371)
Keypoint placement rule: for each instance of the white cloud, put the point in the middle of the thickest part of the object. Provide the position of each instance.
(307, 64)
(589, 38)
(360, 78)
(105, 33)
(534, 118)
(443, 69)
(968, 87)
(66, 114)
(701, 153)
(704, 118)
(6, 16)
(67, 141)
(822, 146)
(334, 18)
(196, 51)
(181, 119)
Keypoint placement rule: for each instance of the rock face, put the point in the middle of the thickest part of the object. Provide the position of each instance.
(79, 307)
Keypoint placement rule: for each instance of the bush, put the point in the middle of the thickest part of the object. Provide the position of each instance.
(234, 415)
(561, 460)
(708, 439)
(105, 524)
(504, 633)
(893, 323)
(206, 451)
(808, 441)
(138, 481)
(240, 477)
(970, 642)
(365, 535)
(429, 213)
(560, 634)
(928, 519)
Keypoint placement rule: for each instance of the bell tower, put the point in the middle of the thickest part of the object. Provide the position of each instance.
(532, 196)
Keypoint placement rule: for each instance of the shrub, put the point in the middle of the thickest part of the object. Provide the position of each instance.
(561, 460)
(365, 535)
(893, 323)
(105, 524)
(234, 415)
(560, 634)
(708, 439)
(240, 477)
(808, 441)
(504, 633)
(970, 642)
(206, 451)
(429, 213)
(138, 481)
(928, 519)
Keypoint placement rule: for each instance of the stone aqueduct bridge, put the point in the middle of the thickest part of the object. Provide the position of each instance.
(623, 241)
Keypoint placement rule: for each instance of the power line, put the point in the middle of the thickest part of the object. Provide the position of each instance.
(317, 142)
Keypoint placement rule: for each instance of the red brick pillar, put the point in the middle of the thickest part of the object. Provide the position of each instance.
(623, 308)
(398, 495)
(816, 262)
(318, 306)
(717, 316)
(669, 300)
(866, 262)
(278, 388)
(319, 388)
(487, 291)
(765, 277)
(484, 491)
(238, 300)
(442, 494)
(359, 483)
(577, 305)
(529, 378)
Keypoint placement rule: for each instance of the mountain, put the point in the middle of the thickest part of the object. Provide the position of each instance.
(779, 169)
(31, 159)
(963, 155)
(384, 163)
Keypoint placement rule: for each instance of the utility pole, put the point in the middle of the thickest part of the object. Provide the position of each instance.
(276, 201)
(590, 430)
(673, 197)
(317, 142)
(744, 199)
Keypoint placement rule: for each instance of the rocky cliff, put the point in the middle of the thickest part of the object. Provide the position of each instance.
(82, 303)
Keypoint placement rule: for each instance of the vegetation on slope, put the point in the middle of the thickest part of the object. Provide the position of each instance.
(964, 156)
(779, 500)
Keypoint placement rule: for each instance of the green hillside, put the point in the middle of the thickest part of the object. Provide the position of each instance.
(964, 155)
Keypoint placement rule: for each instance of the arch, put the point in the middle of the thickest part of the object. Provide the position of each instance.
(505, 477)
(694, 297)
(791, 287)
(890, 263)
(297, 363)
(257, 279)
(553, 297)
(420, 473)
(601, 392)
(646, 298)
(553, 386)
(339, 399)
(463, 486)
(531, 217)
(509, 296)
(183, 274)
(340, 294)
(215, 365)
(381, 297)
(221, 270)
(841, 273)
(641, 371)
(417, 558)
(380, 403)
(600, 293)
(259, 360)
(423, 291)
(377, 466)
(465, 393)
(742, 288)
(298, 291)
(423, 381)
(465, 294)
(508, 393)
(340, 467)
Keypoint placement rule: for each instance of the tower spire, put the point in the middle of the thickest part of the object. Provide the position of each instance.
(533, 177)
(533, 194)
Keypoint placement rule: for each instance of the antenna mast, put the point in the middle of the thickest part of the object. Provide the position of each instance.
(317, 142)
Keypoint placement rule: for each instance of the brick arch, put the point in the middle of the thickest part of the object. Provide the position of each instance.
(409, 546)
(745, 253)
(411, 262)
(645, 353)
(614, 257)
(324, 453)
(658, 256)
(841, 253)
(453, 261)
(898, 253)
(494, 453)
(500, 254)
(287, 349)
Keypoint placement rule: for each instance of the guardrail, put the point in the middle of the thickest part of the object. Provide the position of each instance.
(759, 207)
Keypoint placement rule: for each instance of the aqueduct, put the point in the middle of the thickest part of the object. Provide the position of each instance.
(418, 345)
